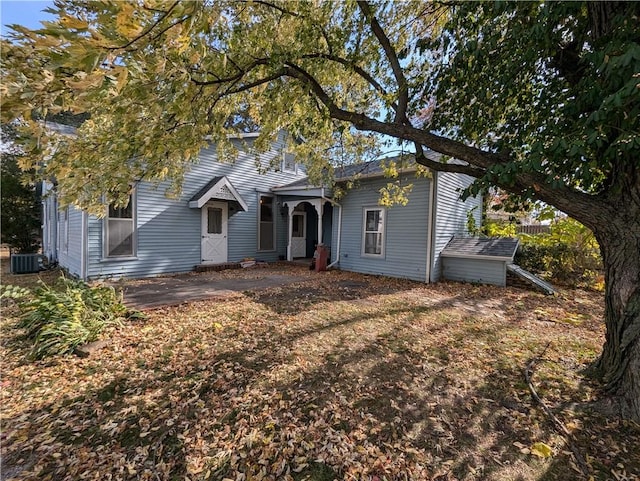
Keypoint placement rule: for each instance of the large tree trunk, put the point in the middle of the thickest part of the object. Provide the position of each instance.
(619, 364)
(619, 238)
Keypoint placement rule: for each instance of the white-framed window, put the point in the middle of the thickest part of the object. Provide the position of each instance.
(266, 223)
(373, 219)
(120, 230)
(289, 163)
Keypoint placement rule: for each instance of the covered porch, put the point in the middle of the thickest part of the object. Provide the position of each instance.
(310, 219)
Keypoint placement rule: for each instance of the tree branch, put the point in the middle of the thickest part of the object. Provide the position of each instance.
(359, 70)
(148, 30)
(579, 205)
(385, 43)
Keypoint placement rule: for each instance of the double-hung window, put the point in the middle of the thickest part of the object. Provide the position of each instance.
(120, 230)
(266, 224)
(373, 231)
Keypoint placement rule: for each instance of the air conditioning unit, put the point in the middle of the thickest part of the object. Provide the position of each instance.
(25, 263)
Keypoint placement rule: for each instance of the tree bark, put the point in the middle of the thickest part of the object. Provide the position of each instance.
(619, 363)
(619, 238)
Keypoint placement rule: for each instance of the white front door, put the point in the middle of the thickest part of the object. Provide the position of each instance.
(299, 234)
(214, 233)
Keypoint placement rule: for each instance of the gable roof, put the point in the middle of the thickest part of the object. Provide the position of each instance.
(217, 188)
(496, 248)
(373, 168)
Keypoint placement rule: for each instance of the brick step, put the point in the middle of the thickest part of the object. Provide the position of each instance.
(217, 267)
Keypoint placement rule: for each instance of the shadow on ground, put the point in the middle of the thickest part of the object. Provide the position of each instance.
(360, 378)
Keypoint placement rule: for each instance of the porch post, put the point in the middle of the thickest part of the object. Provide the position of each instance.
(289, 229)
(319, 210)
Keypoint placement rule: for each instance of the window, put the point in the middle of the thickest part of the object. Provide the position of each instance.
(120, 231)
(266, 231)
(214, 220)
(373, 232)
(288, 162)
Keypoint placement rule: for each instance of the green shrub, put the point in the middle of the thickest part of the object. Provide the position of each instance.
(15, 293)
(61, 317)
(568, 253)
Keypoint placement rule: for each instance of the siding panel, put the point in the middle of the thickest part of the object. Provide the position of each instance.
(405, 231)
(169, 232)
(474, 270)
(451, 214)
(70, 244)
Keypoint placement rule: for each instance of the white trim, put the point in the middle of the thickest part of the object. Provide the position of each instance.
(300, 191)
(208, 195)
(273, 222)
(383, 221)
(240, 136)
(477, 256)
(247, 135)
(283, 164)
(373, 175)
(65, 240)
(337, 248)
(83, 245)
(430, 227)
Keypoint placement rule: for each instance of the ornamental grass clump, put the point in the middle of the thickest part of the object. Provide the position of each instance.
(61, 317)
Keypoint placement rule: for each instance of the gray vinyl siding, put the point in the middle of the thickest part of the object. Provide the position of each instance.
(70, 254)
(405, 231)
(483, 271)
(169, 231)
(451, 214)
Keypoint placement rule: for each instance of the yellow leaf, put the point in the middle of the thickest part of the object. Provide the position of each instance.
(122, 78)
(125, 22)
(541, 450)
(71, 22)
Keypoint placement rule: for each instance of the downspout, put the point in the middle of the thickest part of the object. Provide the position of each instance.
(431, 226)
(339, 229)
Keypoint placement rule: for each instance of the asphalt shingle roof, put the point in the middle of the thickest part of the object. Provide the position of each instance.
(499, 247)
(372, 168)
(206, 188)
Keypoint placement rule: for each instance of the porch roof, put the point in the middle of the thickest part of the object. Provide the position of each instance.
(300, 188)
(218, 188)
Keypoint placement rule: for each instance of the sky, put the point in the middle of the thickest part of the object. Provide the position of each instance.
(26, 12)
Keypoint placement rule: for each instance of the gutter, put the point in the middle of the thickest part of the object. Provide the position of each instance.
(476, 256)
(431, 226)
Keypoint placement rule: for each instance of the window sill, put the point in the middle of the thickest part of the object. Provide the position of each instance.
(373, 256)
(119, 259)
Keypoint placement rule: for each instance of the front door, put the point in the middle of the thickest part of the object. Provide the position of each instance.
(214, 233)
(299, 234)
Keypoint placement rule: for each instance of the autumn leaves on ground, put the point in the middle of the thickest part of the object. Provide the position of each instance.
(341, 376)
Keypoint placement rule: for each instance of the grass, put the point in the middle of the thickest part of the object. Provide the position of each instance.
(340, 376)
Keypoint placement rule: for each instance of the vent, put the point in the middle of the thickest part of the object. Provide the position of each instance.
(25, 263)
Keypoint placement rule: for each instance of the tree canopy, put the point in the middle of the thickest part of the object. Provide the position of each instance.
(539, 98)
(19, 204)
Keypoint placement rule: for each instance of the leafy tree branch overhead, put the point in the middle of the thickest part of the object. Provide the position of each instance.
(541, 99)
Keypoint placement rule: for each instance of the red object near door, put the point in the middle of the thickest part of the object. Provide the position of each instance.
(322, 254)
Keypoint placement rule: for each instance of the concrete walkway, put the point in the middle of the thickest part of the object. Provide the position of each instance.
(171, 291)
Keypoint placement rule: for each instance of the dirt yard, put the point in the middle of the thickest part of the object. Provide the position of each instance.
(337, 376)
